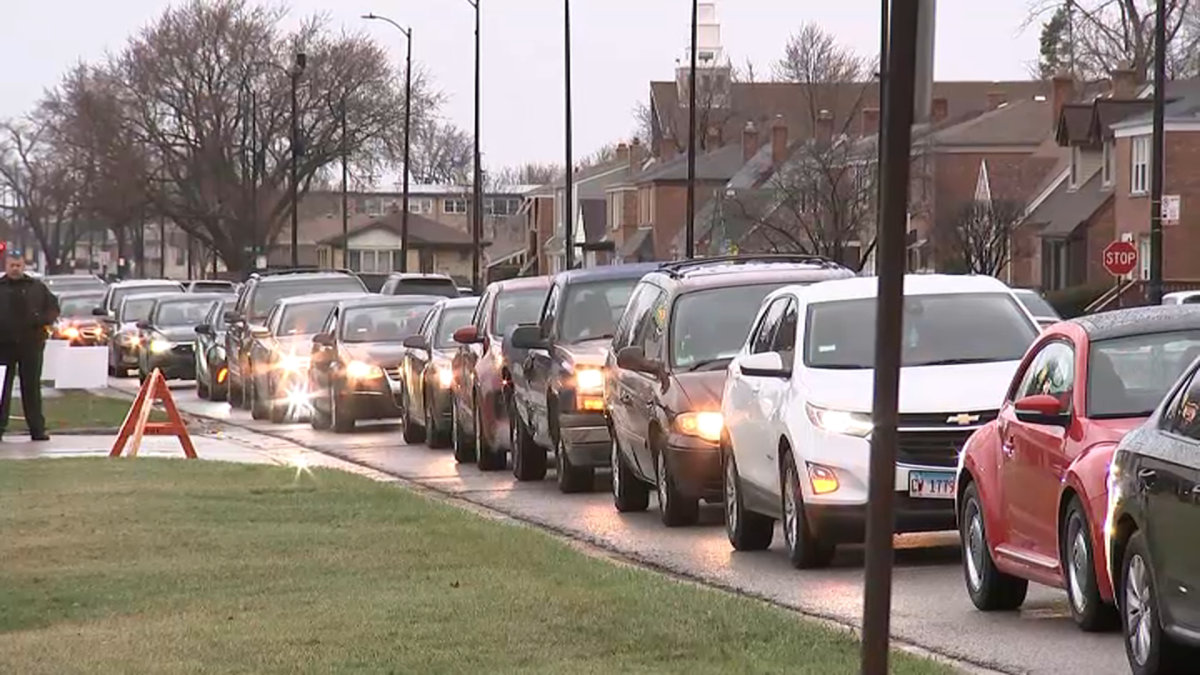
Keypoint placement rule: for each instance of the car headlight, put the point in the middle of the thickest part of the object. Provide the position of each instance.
(840, 421)
(445, 376)
(589, 380)
(706, 425)
(160, 346)
(130, 339)
(359, 370)
(70, 332)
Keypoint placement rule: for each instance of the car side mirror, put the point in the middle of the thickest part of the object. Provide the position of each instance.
(259, 331)
(1042, 409)
(323, 340)
(766, 364)
(99, 311)
(528, 337)
(416, 342)
(204, 329)
(231, 316)
(634, 358)
(467, 335)
(144, 325)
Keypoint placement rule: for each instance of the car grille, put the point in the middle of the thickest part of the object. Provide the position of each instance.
(393, 373)
(184, 349)
(931, 448)
(942, 420)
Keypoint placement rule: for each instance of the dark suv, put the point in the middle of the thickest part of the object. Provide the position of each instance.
(255, 300)
(557, 368)
(408, 283)
(666, 373)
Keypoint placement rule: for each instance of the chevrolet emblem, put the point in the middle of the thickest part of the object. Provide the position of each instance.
(962, 419)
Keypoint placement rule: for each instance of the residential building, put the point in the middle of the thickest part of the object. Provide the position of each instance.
(372, 245)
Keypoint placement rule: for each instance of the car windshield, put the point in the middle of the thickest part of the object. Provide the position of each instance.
(593, 309)
(442, 288)
(452, 320)
(120, 294)
(710, 326)
(390, 323)
(181, 313)
(1129, 376)
(78, 306)
(304, 319)
(267, 294)
(1036, 305)
(136, 309)
(948, 329)
(517, 307)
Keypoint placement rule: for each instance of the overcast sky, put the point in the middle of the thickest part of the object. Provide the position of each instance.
(619, 46)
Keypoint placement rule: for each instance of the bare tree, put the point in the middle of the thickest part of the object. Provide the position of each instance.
(983, 236)
(442, 153)
(532, 173)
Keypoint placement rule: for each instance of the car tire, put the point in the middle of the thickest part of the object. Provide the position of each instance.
(463, 445)
(434, 437)
(320, 420)
(258, 407)
(217, 392)
(806, 549)
(1090, 612)
(341, 414)
(487, 456)
(747, 530)
(675, 508)
(571, 479)
(1140, 618)
(202, 391)
(278, 412)
(413, 433)
(990, 589)
(529, 459)
(630, 493)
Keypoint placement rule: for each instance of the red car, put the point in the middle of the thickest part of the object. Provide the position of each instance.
(1032, 486)
(479, 411)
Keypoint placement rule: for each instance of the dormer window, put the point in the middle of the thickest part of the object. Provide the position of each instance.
(1107, 167)
(1074, 167)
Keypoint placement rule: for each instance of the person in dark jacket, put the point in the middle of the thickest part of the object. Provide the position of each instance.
(27, 310)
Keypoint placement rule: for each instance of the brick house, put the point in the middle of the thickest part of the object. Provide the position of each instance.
(372, 245)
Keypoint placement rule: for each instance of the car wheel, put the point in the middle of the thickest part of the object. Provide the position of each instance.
(747, 530)
(1148, 647)
(1090, 612)
(989, 588)
(258, 406)
(487, 456)
(464, 449)
(217, 391)
(436, 438)
(675, 508)
(571, 479)
(806, 550)
(320, 420)
(529, 460)
(278, 411)
(629, 493)
(202, 391)
(341, 413)
(413, 433)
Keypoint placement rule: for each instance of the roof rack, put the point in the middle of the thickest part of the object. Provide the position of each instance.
(677, 268)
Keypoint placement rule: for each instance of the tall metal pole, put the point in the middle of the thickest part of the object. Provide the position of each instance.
(569, 181)
(297, 71)
(407, 147)
(690, 225)
(345, 186)
(1158, 154)
(255, 231)
(897, 137)
(477, 196)
(162, 246)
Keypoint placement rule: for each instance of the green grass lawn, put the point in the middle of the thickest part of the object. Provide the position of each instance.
(169, 566)
(73, 410)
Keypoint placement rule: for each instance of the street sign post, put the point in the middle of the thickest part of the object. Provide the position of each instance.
(1120, 258)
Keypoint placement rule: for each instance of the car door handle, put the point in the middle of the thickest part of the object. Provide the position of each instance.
(1007, 447)
(1147, 477)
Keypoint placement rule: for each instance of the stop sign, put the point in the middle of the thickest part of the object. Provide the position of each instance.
(1120, 257)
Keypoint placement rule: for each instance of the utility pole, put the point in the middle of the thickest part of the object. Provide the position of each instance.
(690, 225)
(407, 148)
(569, 180)
(296, 151)
(162, 246)
(1158, 155)
(345, 187)
(477, 179)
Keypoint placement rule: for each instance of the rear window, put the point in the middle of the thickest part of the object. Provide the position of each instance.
(1037, 305)
(305, 319)
(181, 313)
(212, 287)
(120, 294)
(444, 288)
(517, 307)
(79, 306)
(452, 320)
(136, 309)
(268, 293)
(390, 323)
(74, 283)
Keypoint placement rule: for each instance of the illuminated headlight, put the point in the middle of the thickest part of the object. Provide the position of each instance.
(445, 376)
(363, 371)
(130, 339)
(160, 346)
(840, 422)
(70, 332)
(589, 380)
(706, 425)
(292, 363)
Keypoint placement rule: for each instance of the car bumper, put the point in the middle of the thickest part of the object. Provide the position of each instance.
(695, 466)
(586, 438)
(375, 399)
(173, 365)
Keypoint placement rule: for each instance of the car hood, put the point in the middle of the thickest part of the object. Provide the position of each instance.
(294, 344)
(383, 354)
(177, 333)
(702, 390)
(588, 353)
(967, 387)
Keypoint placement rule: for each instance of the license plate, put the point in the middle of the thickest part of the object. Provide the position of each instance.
(931, 484)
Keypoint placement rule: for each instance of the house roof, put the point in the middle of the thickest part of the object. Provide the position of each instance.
(720, 164)
(1183, 105)
(1066, 209)
(1025, 122)
(1074, 125)
(1112, 111)
(421, 230)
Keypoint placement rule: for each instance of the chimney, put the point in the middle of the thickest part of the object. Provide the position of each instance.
(1062, 92)
(622, 153)
(1124, 83)
(749, 141)
(824, 126)
(995, 99)
(713, 140)
(940, 110)
(779, 140)
(667, 150)
(870, 121)
(637, 155)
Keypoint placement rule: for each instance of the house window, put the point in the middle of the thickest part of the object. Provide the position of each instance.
(1107, 170)
(1140, 165)
(420, 206)
(370, 261)
(1074, 167)
(354, 260)
(374, 207)
(1144, 258)
(501, 206)
(454, 206)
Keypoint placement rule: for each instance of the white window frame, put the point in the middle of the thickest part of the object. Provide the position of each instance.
(1107, 166)
(1073, 180)
(1139, 169)
(420, 205)
(1144, 258)
(456, 202)
(373, 206)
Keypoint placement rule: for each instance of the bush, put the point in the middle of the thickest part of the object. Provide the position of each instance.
(1071, 302)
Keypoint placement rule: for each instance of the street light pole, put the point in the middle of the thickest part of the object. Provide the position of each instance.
(569, 180)
(407, 135)
(297, 71)
(345, 186)
(477, 178)
(1158, 155)
(690, 225)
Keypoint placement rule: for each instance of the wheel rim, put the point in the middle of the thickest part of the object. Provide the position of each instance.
(732, 508)
(616, 468)
(975, 546)
(660, 465)
(790, 512)
(1078, 570)
(1139, 609)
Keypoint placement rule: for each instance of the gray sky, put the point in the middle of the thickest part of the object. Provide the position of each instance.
(619, 46)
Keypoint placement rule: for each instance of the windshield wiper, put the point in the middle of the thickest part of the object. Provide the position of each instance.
(951, 362)
(709, 362)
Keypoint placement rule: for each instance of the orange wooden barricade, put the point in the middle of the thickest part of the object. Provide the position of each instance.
(137, 424)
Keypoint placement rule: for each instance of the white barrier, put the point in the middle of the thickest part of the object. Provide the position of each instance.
(77, 367)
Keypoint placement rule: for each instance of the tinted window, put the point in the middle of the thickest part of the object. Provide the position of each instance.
(136, 309)
(938, 330)
(119, 294)
(181, 313)
(639, 303)
(593, 309)
(383, 324)
(1036, 305)
(1128, 377)
(1183, 415)
(517, 307)
(452, 320)
(304, 319)
(78, 306)
(652, 329)
(1051, 373)
(267, 294)
(710, 326)
(444, 288)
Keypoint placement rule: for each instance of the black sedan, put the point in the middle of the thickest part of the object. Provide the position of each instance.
(212, 373)
(1153, 520)
(355, 369)
(428, 373)
(167, 335)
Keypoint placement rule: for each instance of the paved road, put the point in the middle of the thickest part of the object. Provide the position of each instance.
(930, 607)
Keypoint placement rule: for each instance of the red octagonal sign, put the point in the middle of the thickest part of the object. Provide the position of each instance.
(1120, 257)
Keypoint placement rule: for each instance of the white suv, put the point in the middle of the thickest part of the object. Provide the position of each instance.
(797, 406)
